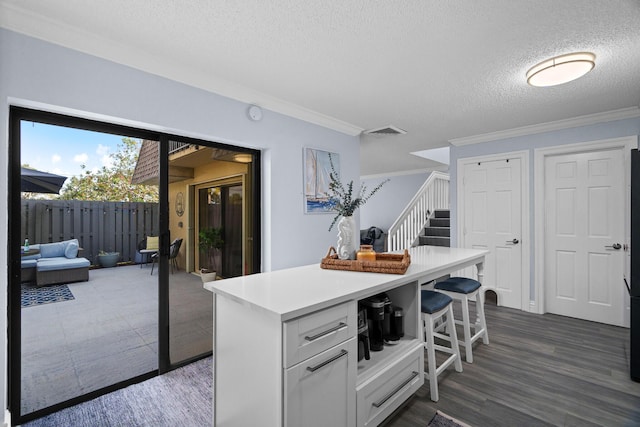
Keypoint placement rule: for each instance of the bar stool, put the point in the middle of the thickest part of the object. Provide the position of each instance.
(435, 305)
(463, 289)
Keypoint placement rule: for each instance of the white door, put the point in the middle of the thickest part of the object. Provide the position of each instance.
(584, 224)
(493, 221)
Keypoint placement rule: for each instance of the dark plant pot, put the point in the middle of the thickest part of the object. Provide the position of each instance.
(110, 259)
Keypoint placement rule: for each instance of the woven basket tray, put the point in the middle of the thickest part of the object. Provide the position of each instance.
(384, 263)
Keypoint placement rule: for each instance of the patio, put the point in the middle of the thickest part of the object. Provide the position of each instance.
(108, 333)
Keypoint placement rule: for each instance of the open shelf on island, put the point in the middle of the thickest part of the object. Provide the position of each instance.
(405, 296)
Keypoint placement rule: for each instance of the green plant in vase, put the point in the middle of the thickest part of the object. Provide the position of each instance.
(345, 202)
(211, 242)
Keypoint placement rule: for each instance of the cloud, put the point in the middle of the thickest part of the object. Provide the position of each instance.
(81, 158)
(103, 150)
(55, 158)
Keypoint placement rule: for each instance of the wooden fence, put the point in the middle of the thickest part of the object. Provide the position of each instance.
(98, 226)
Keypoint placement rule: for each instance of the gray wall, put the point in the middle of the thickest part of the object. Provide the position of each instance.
(39, 74)
(613, 129)
(385, 206)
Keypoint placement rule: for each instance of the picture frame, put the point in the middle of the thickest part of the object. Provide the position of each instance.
(317, 168)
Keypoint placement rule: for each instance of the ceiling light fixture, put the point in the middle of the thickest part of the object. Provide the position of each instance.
(243, 158)
(561, 69)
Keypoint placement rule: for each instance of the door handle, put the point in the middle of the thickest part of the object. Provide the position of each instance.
(615, 246)
(513, 242)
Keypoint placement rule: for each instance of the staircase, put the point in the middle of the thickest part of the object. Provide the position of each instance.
(437, 231)
(432, 196)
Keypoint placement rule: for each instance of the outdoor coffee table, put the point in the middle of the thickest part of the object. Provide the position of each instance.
(29, 252)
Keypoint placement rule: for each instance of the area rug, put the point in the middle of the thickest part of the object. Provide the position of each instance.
(441, 419)
(180, 398)
(32, 295)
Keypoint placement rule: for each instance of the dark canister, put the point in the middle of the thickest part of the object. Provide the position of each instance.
(375, 319)
(397, 323)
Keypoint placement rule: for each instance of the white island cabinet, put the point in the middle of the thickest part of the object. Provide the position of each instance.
(285, 344)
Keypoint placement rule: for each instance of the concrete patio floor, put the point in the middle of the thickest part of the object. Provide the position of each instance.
(108, 333)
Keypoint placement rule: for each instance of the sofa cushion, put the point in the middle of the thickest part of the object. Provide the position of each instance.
(71, 251)
(51, 250)
(62, 263)
(59, 249)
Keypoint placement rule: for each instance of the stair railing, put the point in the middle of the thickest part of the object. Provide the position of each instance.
(434, 194)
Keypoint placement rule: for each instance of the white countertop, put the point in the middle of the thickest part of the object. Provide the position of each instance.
(293, 292)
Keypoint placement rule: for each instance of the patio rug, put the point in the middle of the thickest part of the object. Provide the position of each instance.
(440, 419)
(31, 295)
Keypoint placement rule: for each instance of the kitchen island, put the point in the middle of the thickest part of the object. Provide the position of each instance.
(285, 343)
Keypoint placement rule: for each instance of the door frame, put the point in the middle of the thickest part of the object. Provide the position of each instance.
(540, 154)
(526, 303)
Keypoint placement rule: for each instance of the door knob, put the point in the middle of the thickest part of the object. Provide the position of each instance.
(514, 241)
(615, 246)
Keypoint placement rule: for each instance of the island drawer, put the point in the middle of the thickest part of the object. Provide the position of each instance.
(378, 397)
(314, 333)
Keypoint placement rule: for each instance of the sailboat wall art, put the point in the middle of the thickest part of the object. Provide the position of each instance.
(317, 168)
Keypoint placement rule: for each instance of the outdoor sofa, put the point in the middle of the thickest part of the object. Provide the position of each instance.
(55, 263)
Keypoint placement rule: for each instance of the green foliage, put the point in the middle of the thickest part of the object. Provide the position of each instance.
(343, 200)
(112, 183)
(210, 239)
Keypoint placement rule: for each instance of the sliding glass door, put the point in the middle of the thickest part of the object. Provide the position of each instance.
(106, 253)
(84, 310)
(209, 214)
(221, 220)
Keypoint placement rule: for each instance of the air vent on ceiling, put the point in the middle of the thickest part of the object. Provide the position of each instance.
(386, 130)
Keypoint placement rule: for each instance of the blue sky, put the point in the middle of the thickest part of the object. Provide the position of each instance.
(62, 150)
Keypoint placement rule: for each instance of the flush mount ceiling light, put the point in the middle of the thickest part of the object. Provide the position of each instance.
(561, 69)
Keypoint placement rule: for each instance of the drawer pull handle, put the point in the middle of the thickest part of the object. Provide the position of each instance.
(326, 362)
(397, 389)
(327, 332)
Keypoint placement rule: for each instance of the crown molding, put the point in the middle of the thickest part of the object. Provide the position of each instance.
(589, 119)
(14, 18)
(443, 168)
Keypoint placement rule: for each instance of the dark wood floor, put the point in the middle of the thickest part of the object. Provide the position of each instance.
(538, 370)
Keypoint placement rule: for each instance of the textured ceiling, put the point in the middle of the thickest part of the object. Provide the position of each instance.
(439, 69)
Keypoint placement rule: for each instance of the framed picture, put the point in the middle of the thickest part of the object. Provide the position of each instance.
(317, 167)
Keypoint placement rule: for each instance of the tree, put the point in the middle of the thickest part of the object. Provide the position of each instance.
(112, 183)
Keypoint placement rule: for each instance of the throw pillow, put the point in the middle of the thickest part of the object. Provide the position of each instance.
(152, 242)
(71, 251)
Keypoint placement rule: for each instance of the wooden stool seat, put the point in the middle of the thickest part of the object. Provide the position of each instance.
(434, 306)
(463, 289)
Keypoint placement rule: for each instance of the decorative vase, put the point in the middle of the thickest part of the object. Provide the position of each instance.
(347, 238)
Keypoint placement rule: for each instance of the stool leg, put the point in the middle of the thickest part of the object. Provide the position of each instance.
(466, 325)
(480, 315)
(432, 374)
(453, 335)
